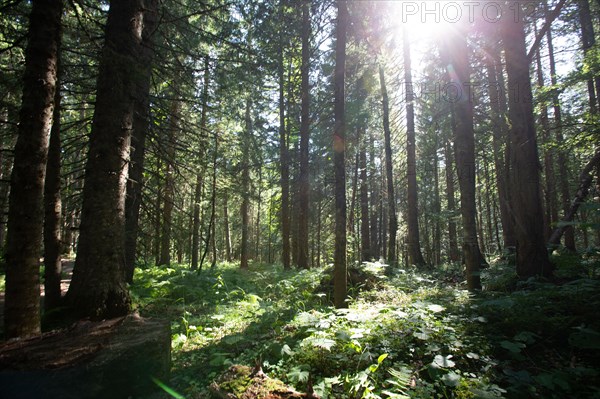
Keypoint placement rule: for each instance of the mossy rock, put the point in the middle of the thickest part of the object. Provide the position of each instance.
(243, 382)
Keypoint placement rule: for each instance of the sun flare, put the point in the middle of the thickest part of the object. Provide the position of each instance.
(429, 19)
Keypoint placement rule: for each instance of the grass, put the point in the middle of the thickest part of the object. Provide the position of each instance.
(403, 336)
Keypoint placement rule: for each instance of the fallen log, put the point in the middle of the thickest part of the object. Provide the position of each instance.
(110, 359)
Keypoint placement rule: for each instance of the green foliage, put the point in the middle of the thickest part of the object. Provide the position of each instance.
(409, 337)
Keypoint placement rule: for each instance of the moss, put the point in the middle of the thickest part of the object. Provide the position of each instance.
(243, 382)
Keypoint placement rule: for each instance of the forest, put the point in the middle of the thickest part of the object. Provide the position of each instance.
(299, 199)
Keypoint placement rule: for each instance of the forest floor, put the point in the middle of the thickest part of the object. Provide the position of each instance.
(406, 334)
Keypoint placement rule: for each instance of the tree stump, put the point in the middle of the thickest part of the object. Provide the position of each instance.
(110, 359)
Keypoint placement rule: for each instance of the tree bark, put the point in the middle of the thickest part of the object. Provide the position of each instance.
(415, 257)
(25, 212)
(169, 192)
(532, 256)
(210, 238)
(283, 158)
(226, 227)
(303, 178)
(563, 171)
(198, 187)
(551, 208)
(245, 186)
(375, 202)
(339, 151)
(392, 217)
(141, 122)
(366, 254)
(98, 289)
(459, 73)
(453, 252)
(53, 210)
(497, 95)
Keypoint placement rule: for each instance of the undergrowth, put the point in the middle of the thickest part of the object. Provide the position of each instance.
(404, 335)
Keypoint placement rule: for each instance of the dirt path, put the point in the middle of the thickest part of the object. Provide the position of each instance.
(67, 272)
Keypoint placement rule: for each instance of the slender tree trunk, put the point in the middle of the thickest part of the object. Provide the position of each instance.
(285, 173)
(210, 238)
(551, 214)
(532, 256)
(169, 192)
(354, 185)
(199, 173)
(460, 76)
(500, 131)
(141, 122)
(303, 178)
(375, 202)
(563, 171)
(415, 257)
(53, 211)
(453, 252)
(98, 289)
(25, 212)
(366, 254)
(589, 40)
(319, 227)
(226, 226)
(257, 251)
(437, 208)
(392, 217)
(246, 186)
(157, 214)
(339, 150)
(488, 202)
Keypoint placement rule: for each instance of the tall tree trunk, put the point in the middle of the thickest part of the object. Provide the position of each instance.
(169, 192)
(497, 95)
(563, 171)
(453, 252)
(588, 40)
(226, 226)
(284, 161)
(303, 178)
(246, 185)
(389, 174)
(98, 289)
(210, 238)
(157, 214)
(375, 202)
(366, 254)
(437, 209)
(339, 151)
(415, 257)
(551, 214)
(25, 212)
(198, 186)
(459, 72)
(257, 249)
(141, 122)
(532, 256)
(53, 211)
